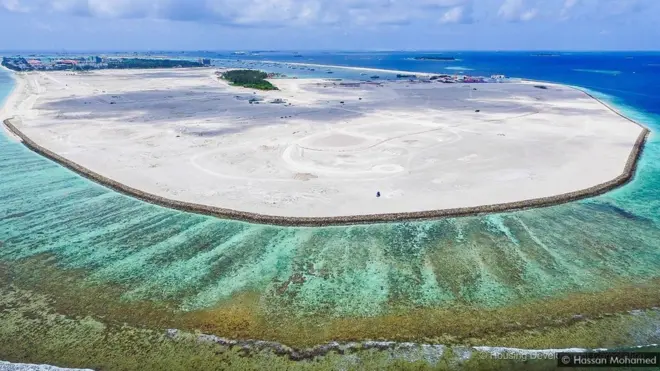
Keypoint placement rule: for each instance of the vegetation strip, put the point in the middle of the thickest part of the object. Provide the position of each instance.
(623, 178)
(248, 79)
(19, 64)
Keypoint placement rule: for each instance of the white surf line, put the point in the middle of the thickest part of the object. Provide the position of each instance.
(10, 100)
(347, 67)
(8, 366)
(439, 349)
(549, 352)
(528, 352)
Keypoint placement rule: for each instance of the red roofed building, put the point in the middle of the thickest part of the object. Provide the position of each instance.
(67, 61)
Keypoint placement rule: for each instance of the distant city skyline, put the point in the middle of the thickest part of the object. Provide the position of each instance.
(347, 25)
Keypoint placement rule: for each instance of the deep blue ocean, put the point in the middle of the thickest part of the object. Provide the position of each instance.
(632, 77)
(583, 245)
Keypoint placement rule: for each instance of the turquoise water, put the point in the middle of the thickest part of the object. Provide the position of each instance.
(197, 261)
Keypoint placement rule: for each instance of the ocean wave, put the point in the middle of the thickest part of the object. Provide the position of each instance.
(458, 68)
(423, 60)
(604, 72)
(435, 351)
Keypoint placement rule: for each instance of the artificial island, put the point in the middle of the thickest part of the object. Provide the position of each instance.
(87, 273)
(319, 151)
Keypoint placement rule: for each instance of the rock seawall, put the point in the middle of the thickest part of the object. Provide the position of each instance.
(623, 178)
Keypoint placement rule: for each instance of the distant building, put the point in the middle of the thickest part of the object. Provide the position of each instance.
(70, 62)
(468, 79)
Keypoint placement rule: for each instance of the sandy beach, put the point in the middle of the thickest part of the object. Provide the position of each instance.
(328, 148)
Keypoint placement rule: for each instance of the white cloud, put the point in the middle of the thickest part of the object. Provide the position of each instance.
(618, 7)
(256, 13)
(516, 11)
(457, 14)
(568, 6)
(339, 13)
(442, 3)
(13, 5)
(529, 15)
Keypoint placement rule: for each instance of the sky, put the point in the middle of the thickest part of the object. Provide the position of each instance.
(126, 25)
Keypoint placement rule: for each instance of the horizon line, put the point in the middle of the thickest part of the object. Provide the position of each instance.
(69, 50)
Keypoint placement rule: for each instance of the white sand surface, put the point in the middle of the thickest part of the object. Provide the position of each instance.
(184, 135)
(8, 106)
